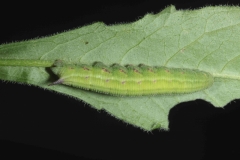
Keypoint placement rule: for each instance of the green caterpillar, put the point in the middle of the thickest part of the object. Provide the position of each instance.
(131, 80)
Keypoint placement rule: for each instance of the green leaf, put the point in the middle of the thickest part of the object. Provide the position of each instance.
(206, 39)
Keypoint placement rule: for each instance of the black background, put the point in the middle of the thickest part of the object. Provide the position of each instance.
(38, 123)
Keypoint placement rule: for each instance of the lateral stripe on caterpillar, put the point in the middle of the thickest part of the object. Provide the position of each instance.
(131, 80)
